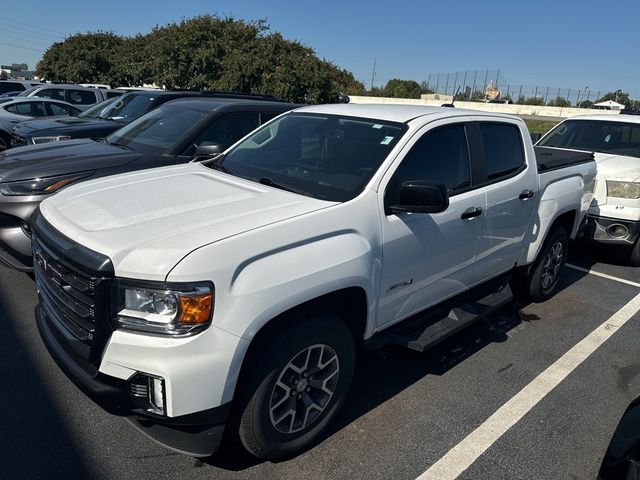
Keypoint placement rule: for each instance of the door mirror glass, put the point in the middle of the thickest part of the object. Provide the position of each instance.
(418, 196)
(208, 149)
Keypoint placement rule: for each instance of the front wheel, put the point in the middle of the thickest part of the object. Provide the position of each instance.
(297, 379)
(542, 279)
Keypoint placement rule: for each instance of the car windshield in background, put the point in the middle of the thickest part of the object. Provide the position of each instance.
(159, 129)
(97, 110)
(26, 92)
(617, 138)
(128, 107)
(322, 156)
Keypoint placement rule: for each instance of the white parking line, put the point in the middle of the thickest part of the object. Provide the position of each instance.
(463, 455)
(603, 275)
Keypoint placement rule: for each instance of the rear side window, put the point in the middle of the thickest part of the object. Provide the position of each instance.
(31, 109)
(441, 156)
(81, 97)
(503, 149)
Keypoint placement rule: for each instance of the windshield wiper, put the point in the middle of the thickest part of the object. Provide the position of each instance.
(267, 181)
(116, 144)
(214, 162)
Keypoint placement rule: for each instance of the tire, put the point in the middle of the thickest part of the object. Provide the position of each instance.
(632, 257)
(542, 279)
(4, 141)
(277, 381)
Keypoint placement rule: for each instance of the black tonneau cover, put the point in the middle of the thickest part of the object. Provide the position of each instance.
(551, 158)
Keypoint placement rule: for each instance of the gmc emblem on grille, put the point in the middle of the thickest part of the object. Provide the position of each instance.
(49, 270)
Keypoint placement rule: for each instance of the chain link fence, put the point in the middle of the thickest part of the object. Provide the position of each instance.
(490, 84)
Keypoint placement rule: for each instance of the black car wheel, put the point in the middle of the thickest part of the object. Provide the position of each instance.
(295, 385)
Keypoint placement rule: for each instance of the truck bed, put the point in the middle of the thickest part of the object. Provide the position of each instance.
(551, 158)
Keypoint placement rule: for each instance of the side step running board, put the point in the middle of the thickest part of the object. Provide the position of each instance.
(435, 325)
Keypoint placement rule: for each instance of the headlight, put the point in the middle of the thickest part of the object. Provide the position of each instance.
(37, 140)
(41, 186)
(623, 189)
(171, 309)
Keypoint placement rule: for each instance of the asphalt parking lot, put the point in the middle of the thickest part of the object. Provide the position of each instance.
(406, 411)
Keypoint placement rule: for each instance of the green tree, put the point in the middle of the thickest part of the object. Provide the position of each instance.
(397, 88)
(82, 58)
(617, 96)
(531, 100)
(559, 102)
(424, 88)
(206, 52)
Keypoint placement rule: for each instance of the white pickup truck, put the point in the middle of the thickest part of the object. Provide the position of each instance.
(614, 216)
(233, 293)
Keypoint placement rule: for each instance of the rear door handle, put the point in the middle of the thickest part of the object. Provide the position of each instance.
(471, 213)
(526, 195)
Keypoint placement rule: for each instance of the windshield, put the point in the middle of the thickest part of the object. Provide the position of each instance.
(27, 91)
(128, 107)
(159, 129)
(97, 110)
(322, 156)
(618, 138)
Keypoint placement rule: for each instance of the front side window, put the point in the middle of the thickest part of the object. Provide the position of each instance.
(227, 130)
(503, 150)
(441, 156)
(329, 157)
(52, 93)
(617, 138)
(159, 129)
(58, 109)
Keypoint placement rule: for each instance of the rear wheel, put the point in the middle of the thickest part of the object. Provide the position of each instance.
(297, 379)
(542, 279)
(633, 254)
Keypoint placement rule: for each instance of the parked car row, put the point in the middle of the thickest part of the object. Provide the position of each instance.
(214, 262)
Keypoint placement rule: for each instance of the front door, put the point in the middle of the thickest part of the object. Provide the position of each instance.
(430, 257)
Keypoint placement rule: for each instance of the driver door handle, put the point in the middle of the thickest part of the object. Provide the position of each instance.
(526, 195)
(471, 213)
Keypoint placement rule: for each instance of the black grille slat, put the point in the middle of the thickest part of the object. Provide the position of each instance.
(86, 323)
(85, 301)
(81, 284)
(69, 294)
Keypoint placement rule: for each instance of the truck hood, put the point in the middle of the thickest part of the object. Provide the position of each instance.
(147, 221)
(617, 167)
(59, 158)
(72, 126)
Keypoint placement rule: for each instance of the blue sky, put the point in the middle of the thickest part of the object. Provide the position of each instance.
(569, 44)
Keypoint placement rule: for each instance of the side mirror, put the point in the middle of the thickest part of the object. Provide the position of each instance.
(208, 149)
(419, 196)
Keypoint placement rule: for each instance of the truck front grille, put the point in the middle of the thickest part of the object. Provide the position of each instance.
(67, 293)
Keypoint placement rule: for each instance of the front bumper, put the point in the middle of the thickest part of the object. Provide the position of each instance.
(197, 434)
(610, 230)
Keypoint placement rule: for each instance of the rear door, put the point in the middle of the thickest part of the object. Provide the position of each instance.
(430, 257)
(510, 183)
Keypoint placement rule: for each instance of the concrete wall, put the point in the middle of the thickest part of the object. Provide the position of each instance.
(534, 110)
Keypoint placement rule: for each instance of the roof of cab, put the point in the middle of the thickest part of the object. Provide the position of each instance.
(395, 113)
(614, 117)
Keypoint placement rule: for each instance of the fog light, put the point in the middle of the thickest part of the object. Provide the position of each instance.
(148, 392)
(617, 230)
